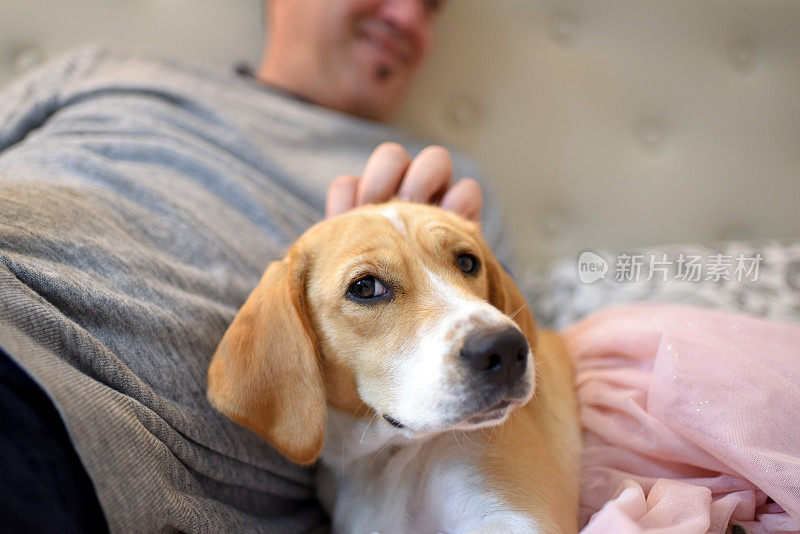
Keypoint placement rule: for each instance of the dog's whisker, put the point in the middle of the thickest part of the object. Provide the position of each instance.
(466, 436)
(375, 456)
(521, 307)
(361, 442)
(456, 438)
(539, 362)
(486, 441)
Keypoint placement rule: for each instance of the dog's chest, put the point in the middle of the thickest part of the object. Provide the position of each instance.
(428, 487)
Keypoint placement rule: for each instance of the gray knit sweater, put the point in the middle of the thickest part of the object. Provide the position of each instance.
(140, 200)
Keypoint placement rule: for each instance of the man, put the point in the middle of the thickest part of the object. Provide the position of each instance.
(361, 57)
(140, 200)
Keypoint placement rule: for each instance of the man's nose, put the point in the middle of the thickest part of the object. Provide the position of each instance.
(499, 357)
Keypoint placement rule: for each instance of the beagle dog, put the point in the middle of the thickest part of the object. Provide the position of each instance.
(390, 344)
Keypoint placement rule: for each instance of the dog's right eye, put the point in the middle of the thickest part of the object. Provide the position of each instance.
(366, 288)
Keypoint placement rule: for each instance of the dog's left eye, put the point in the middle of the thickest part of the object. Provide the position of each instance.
(468, 263)
(367, 287)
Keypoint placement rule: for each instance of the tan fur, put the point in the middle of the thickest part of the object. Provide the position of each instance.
(532, 458)
(297, 344)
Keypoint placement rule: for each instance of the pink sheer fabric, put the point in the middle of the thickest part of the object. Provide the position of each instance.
(691, 421)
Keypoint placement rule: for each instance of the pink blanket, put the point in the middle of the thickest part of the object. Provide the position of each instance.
(692, 421)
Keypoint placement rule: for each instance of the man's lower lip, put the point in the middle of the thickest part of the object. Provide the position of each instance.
(387, 55)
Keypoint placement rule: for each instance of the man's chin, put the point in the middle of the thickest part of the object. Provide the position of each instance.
(379, 80)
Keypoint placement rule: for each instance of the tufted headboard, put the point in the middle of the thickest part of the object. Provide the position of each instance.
(601, 124)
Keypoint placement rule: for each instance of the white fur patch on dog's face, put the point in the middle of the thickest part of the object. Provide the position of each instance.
(401, 348)
(432, 391)
(391, 213)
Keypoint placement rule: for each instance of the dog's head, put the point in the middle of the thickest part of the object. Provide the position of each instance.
(398, 311)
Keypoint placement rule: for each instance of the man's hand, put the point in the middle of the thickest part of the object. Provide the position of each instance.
(390, 172)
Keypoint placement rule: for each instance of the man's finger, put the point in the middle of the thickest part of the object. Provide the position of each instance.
(428, 175)
(341, 195)
(382, 174)
(464, 198)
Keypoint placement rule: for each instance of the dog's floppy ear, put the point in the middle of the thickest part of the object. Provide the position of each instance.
(504, 295)
(265, 373)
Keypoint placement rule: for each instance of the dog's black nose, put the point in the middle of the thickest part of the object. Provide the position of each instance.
(498, 356)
